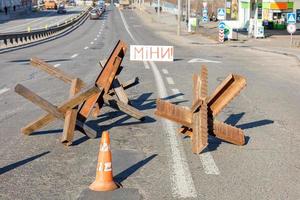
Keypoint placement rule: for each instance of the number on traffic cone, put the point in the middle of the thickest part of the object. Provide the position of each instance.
(104, 174)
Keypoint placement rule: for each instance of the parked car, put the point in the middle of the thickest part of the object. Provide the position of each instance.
(61, 9)
(94, 14)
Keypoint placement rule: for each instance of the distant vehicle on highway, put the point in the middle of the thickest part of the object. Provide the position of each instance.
(102, 6)
(50, 5)
(61, 9)
(95, 14)
(124, 3)
(71, 2)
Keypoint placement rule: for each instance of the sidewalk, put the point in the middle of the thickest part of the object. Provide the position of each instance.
(13, 15)
(208, 34)
(275, 44)
(166, 23)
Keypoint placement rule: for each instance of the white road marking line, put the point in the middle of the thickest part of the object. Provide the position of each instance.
(165, 71)
(209, 164)
(92, 42)
(74, 55)
(136, 25)
(195, 60)
(86, 48)
(146, 65)
(56, 65)
(181, 178)
(176, 91)
(170, 80)
(126, 27)
(95, 39)
(3, 90)
(98, 35)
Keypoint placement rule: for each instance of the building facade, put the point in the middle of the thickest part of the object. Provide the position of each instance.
(240, 12)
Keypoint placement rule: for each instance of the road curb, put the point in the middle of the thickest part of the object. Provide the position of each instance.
(277, 52)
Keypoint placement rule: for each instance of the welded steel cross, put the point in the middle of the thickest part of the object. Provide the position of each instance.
(199, 120)
(83, 99)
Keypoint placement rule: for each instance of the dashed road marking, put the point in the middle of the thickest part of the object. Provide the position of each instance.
(165, 71)
(177, 92)
(209, 164)
(92, 42)
(181, 178)
(170, 80)
(56, 65)
(3, 90)
(146, 65)
(98, 35)
(74, 55)
(86, 48)
(195, 60)
(95, 39)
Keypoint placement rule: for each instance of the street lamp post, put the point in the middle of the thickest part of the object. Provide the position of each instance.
(179, 17)
(158, 8)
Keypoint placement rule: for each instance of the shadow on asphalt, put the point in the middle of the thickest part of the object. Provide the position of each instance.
(178, 59)
(47, 132)
(132, 169)
(141, 103)
(48, 61)
(21, 162)
(233, 120)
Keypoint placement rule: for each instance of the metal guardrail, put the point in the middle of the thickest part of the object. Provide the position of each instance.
(13, 39)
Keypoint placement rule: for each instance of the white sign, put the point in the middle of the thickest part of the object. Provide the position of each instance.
(291, 28)
(151, 53)
(221, 14)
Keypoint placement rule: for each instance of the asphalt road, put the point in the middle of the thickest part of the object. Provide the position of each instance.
(39, 20)
(150, 159)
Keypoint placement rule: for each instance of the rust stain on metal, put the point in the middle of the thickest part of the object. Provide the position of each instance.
(89, 97)
(199, 121)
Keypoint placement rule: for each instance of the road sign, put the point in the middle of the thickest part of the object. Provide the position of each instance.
(291, 28)
(291, 18)
(151, 53)
(222, 25)
(205, 19)
(221, 14)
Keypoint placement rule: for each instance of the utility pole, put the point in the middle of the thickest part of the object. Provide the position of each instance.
(179, 17)
(189, 9)
(158, 8)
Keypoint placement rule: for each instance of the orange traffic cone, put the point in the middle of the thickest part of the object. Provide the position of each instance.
(104, 175)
